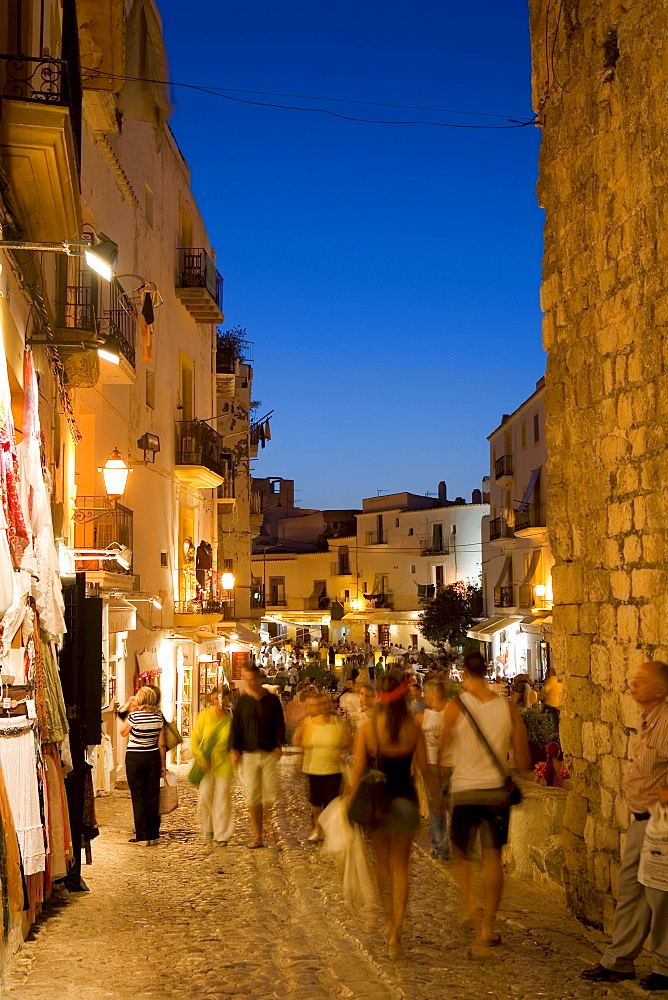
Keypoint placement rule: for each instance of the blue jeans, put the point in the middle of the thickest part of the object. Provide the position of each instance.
(438, 825)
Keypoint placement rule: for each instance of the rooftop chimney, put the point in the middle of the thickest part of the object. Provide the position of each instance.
(442, 492)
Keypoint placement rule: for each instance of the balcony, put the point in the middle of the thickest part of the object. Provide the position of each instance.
(503, 597)
(77, 309)
(39, 144)
(200, 461)
(432, 548)
(209, 602)
(376, 601)
(200, 286)
(341, 568)
(273, 601)
(119, 322)
(499, 529)
(98, 523)
(503, 469)
(317, 603)
(376, 538)
(531, 520)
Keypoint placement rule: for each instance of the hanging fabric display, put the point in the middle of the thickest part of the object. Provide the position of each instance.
(41, 557)
(18, 759)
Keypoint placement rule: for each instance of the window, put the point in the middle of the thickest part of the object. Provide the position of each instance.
(384, 635)
(228, 565)
(276, 591)
(412, 567)
(163, 558)
(275, 485)
(365, 589)
(413, 637)
(346, 595)
(536, 429)
(396, 522)
(523, 434)
(438, 577)
(150, 389)
(410, 531)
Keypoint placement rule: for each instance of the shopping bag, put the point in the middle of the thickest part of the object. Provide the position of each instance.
(169, 794)
(172, 735)
(653, 868)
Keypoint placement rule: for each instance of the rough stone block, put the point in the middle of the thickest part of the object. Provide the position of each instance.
(600, 665)
(602, 737)
(621, 585)
(589, 747)
(602, 872)
(566, 619)
(610, 771)
(606, 837)
(567, 583)
(578, 655)
(628, 623)
(570, 732)
(632, 547)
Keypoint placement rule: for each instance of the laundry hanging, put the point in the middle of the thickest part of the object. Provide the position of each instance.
(147, 326)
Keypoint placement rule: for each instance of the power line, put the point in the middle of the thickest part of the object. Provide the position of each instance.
(513, 123)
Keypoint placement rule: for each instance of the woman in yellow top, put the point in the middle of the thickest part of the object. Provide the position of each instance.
(209, 745)
(325, 738)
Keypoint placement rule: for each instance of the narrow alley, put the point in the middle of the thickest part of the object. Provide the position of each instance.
(186, 921)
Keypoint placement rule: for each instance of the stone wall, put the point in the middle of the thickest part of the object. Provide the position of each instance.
(599, 77)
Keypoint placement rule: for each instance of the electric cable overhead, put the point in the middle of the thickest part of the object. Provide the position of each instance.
(513, 123)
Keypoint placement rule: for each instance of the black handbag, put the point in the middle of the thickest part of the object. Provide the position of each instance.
(370, 803)
(513, 791)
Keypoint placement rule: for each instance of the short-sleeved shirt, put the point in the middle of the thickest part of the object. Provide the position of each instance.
(145, 730)
(648, 771)
(257, 724)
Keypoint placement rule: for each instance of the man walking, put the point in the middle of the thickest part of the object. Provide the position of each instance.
(640, 910)
(440, 764)
(256, 738)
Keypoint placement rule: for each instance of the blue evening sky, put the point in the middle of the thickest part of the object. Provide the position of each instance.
(388, 275)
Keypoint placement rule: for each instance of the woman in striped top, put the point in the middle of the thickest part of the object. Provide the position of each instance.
(145, 764)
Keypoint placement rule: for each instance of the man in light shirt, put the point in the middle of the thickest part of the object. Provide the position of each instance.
(641, 910)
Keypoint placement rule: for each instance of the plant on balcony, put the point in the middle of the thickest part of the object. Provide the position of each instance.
(448, 615)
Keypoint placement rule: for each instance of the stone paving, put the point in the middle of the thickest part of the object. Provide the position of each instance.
(184, 920)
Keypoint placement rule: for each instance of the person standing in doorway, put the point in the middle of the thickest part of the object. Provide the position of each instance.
(477, 790)
(640, 910)
(257, 736)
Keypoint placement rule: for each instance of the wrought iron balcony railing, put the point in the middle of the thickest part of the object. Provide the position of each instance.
(77, 296)
(200, 285)
(98, 523)
(199, 444)
(503, 597)
(27, 78)
(499, 528)
(533, 516)
(435, 548)
(119, 321)
(503, 466)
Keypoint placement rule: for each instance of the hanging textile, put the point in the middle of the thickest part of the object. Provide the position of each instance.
(34, 671)
(18, 758)
(147, 327)
(10, 864)
(41, 558)
(56, 713)
(17, 533)
(59, 835)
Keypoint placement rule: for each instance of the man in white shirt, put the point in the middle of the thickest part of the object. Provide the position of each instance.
(430, 720)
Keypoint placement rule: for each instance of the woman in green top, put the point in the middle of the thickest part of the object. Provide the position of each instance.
(209, 746)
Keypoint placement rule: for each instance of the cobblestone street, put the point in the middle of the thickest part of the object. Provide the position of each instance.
(186, 921)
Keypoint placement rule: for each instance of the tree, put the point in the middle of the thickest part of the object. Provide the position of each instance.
(448, 615)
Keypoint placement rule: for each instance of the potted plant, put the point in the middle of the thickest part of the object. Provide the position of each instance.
(540, 731)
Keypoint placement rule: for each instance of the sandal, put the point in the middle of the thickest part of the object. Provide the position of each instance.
(254, 844)
(493, 942)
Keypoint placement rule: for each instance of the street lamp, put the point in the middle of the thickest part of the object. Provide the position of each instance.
(100, 251)
(107, 346)
(228, 581)
(115, 472)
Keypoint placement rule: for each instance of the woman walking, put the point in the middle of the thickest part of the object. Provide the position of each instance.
(145, 764)
(209, 744)
(393, 738)
(324, 738)
(480, 801)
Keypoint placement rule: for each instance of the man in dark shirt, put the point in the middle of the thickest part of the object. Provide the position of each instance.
(256, 738)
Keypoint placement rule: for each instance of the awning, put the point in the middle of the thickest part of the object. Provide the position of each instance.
(239, 633)
(532, 567)
(537, 624)
(506, 572)
(528, 493)
(484, 630)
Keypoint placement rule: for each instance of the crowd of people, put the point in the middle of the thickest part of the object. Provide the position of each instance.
(462, 740)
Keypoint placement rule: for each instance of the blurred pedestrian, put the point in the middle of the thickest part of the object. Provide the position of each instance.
(478, 794)
(551, 696)
(393, 738)
(324, 738)
(440, 762)
(209, 742)
(145, 764)
(257, 736)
